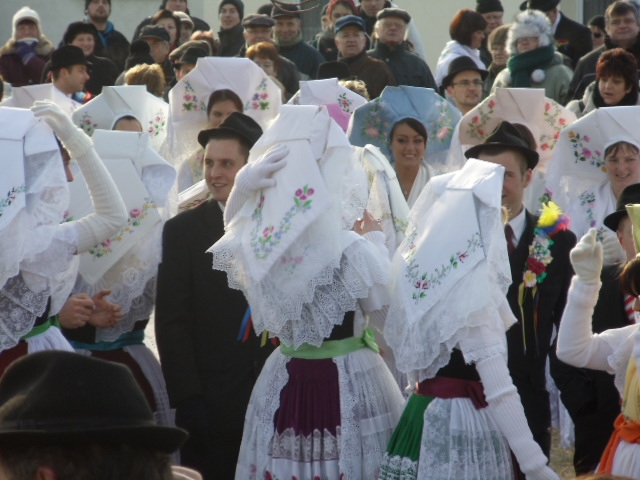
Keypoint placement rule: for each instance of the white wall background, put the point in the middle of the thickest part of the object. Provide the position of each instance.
(431, 16)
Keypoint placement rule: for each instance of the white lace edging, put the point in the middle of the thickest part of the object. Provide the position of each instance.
(398, 468)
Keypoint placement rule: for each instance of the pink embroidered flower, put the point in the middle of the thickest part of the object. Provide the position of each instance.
(544, 146)
(188, 97)
(562, 122)
(135, 213)
(298, 192)
(475, 119)
(106, 243)
(267, 232)
(481, 131)
(586, 152)
(547, 107)
(492, 103)
(310, 191)
(372, 132)
(586, 138)
(264, 95)
(443, 133)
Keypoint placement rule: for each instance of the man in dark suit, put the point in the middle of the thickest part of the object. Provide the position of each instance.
(209, 373)
(529, 341)
(623, 31)
(572, 38)
(590, 395)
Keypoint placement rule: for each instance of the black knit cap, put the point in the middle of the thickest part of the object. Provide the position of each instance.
(62, 398)
(66, 56)
(486, 6)
(239, 125)
(236, 3)
(139, 53)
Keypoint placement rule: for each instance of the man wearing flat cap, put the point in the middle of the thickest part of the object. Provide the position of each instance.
(67, 416)
(351, 42)
(572, 38)
(259, 28)
(463, 83)
(590, 396)
(69, 70)
(391, 47)
(537, 302)
(288, 33)
(208, 366)
(493, 13)
(158, 40)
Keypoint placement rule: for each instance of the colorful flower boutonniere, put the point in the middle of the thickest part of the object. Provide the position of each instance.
(551, 221)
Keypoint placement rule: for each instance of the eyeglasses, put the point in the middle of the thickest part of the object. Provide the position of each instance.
(468, 83)
(527, 40)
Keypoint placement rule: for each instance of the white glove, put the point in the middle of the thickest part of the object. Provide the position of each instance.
(506, 410)
(612, 249)
(255, 176)
(586, 258)
(74, 139)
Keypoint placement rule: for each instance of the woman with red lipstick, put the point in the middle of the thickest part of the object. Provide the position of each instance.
(616, 83)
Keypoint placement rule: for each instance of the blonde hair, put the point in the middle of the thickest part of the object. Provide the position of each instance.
(151, 76)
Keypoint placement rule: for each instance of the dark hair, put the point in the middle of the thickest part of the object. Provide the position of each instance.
(597, 21)
(128, 118)
(617, 62)
(92, 461)
(495, 150)
(619, 9)
(243, 143)
(464, 24)
(265, 50)
(160, 14)
(222, 95)
(413, 123)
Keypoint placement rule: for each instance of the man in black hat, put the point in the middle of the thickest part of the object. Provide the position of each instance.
(158, 40)
(622, 26)
(259, 28)
(288, 36)
(590, 396)
(69, 70)
(464, 82)
(529, 341)
(209, 370)
(493, 12)
(391, 47)
(572, 38)
(351, 42)
(188, 59)
(173, 6)
(116, 46)
(68, 416)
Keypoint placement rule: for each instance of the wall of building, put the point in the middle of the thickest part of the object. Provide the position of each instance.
(431, 16)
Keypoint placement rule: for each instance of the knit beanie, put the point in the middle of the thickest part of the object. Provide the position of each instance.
(236, 3)
(486, 6)
(26, 13)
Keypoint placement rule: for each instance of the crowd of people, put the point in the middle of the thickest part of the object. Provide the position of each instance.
(356, 269)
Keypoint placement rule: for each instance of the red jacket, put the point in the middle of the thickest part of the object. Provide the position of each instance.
(19, 75)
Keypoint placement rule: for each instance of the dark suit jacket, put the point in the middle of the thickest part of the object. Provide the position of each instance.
(528, 370)
(572, 39)
(590, 395)
(198, 318)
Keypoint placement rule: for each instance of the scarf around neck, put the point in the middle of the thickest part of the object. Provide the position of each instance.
(521, 65)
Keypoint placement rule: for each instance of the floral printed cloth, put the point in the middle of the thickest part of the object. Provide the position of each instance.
(372, 122)
(113, 103)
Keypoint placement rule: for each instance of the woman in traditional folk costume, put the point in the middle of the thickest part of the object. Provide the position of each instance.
(42, 273)
(616, 351)
(446, 324)
(325, 403)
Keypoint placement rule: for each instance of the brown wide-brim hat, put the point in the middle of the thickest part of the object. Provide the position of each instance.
(63, 398)
(507, 136)
(630, 195)
(238, 125)
(462, 64)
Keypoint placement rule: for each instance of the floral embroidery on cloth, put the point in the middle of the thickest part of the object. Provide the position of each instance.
(157, 124)
(552, 111)
(136, 216)
(588, 202)
(582, 153)
(263, 244)
(477, 129)
(11, 197)
(87, 124)
(190, 99)
(551, 221)
(427, 280)
(260, 99)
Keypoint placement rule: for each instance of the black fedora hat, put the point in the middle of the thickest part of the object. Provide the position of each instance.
(66, 56)
(237, 124)
(542, 5)
(333, 69)
(507, 136)
(462, 64)
(64, 398)
(630, 194)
